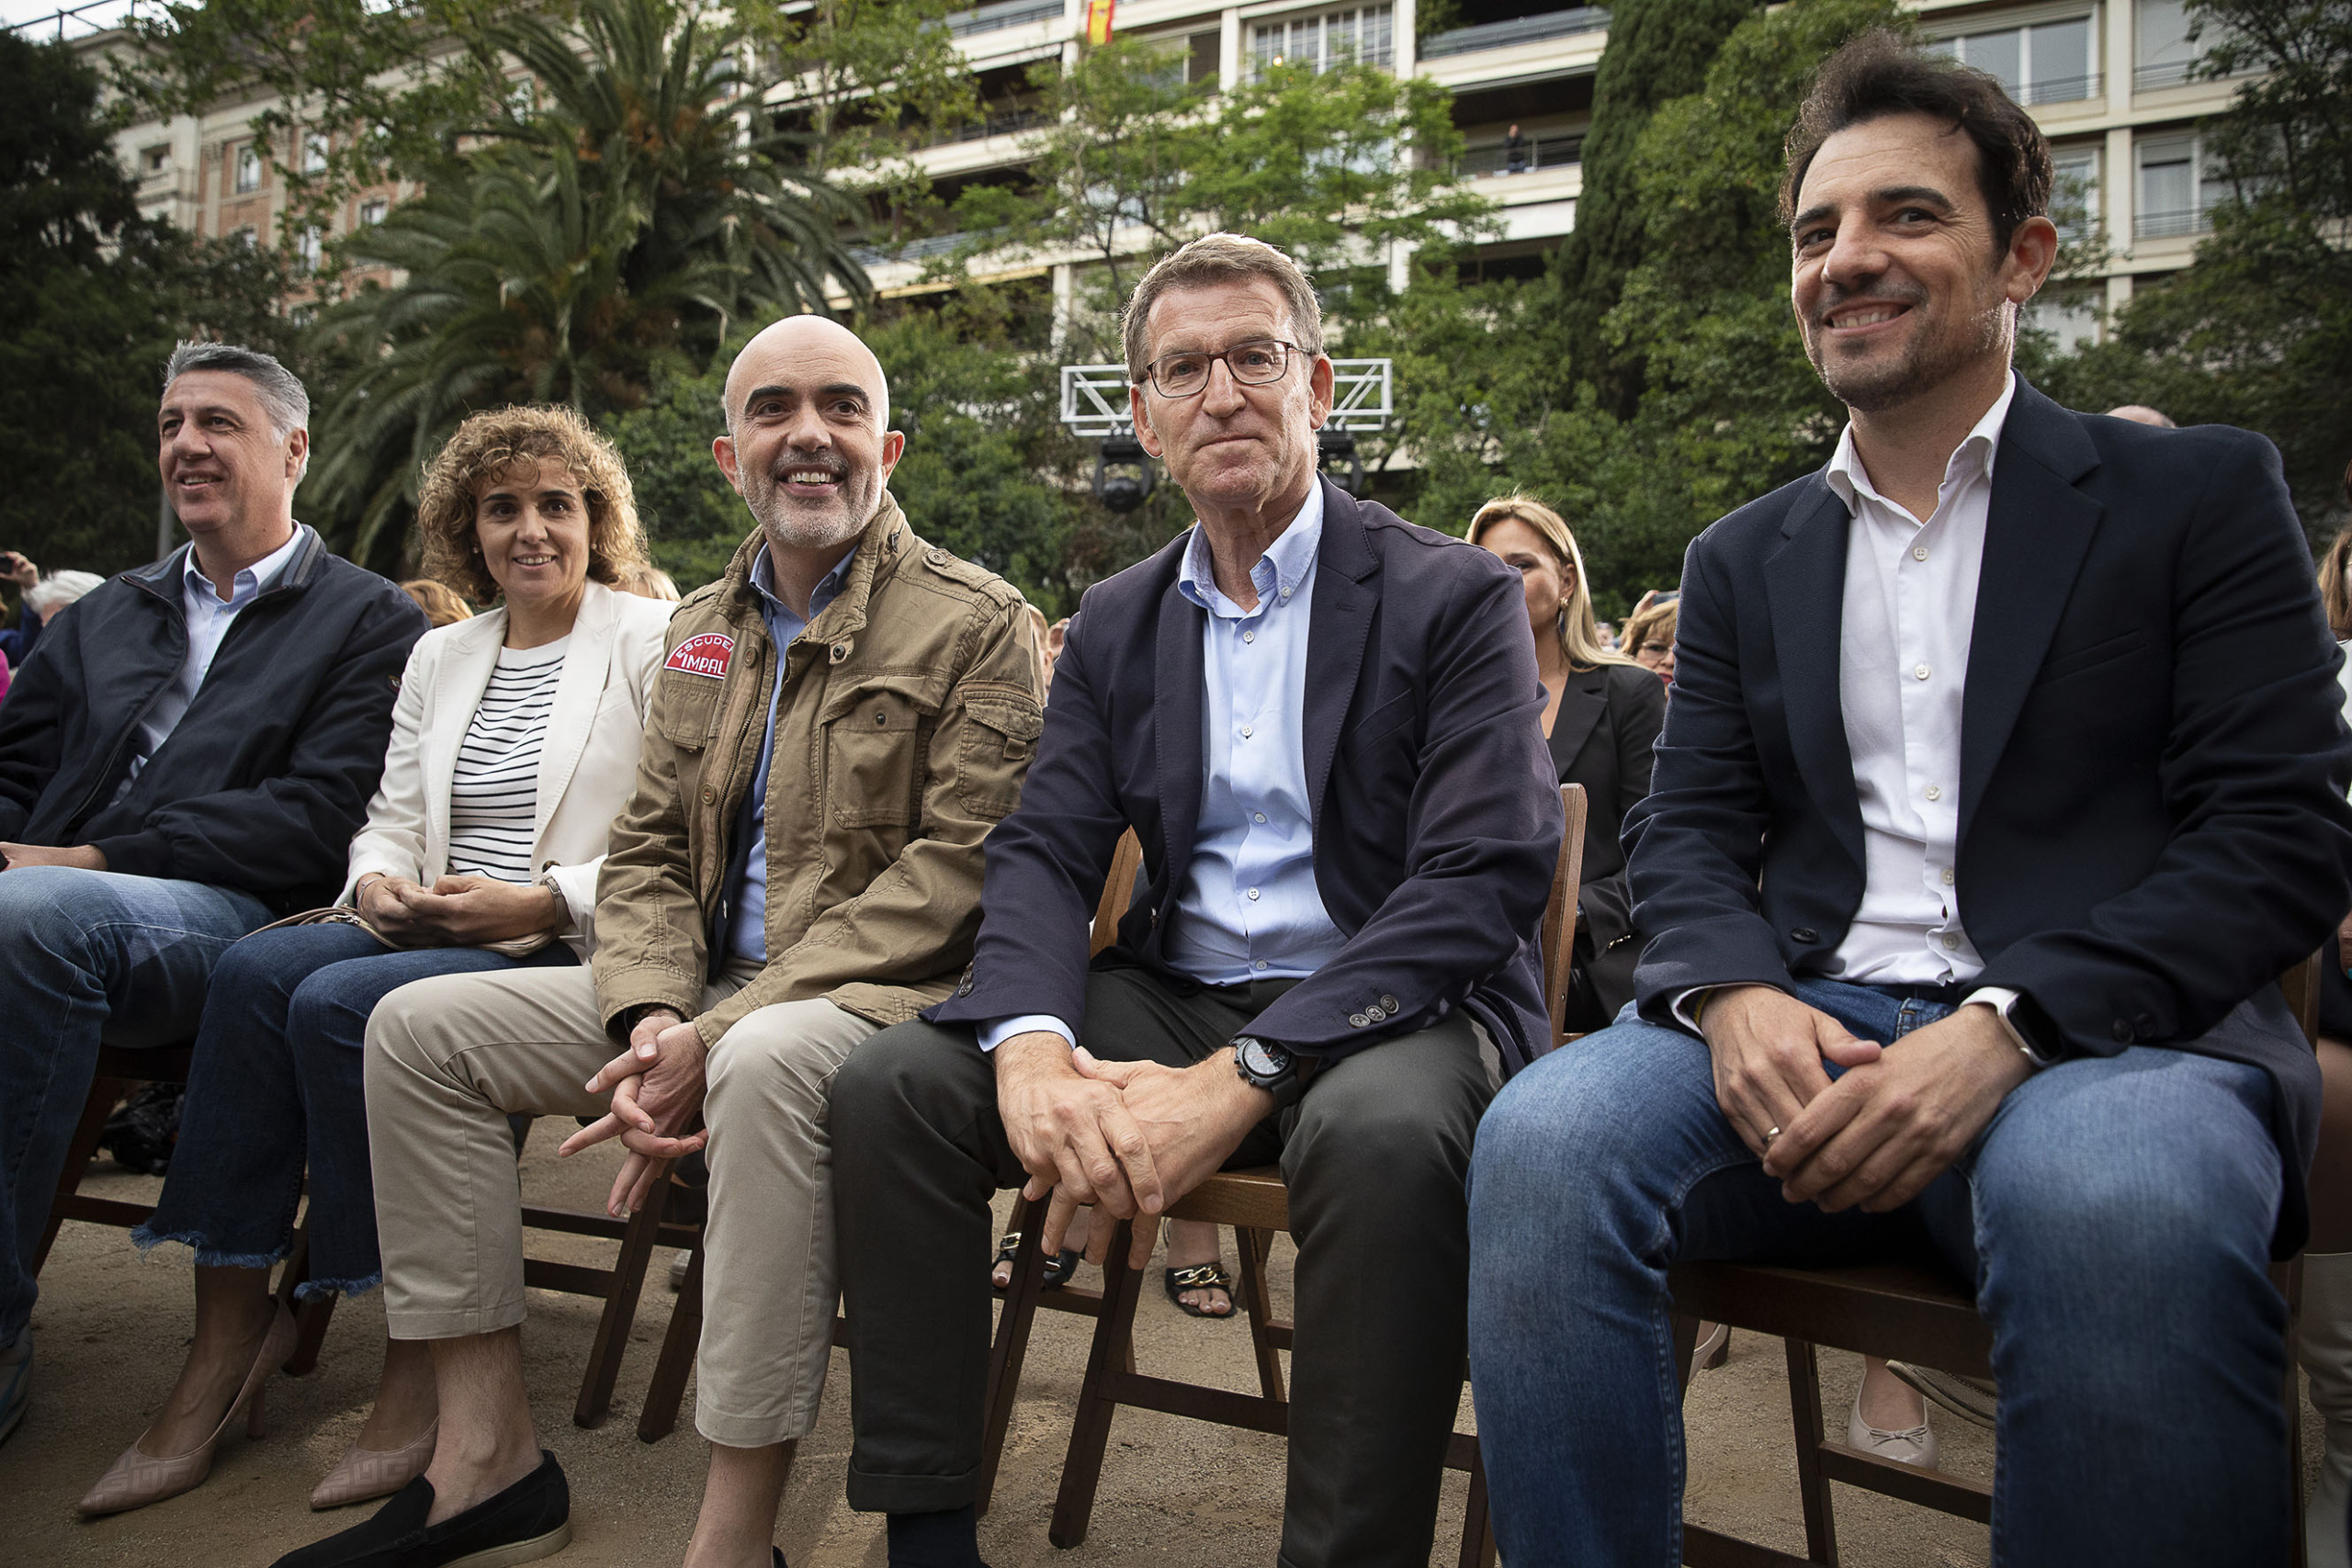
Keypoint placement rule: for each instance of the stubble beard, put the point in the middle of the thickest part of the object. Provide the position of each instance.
(1927, 363)
(793, 525)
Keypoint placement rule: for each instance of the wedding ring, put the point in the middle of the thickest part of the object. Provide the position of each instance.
(1771, 1134)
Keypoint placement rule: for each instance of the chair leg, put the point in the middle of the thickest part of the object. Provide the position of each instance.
(104, 1094)
(1090, 1434)
(1256, 1248)
(620, 1309)
(1804, 1407)
(1685, 1351)
(2288, 1276)
(1478, 1526)
(311, 1316)
(1014, 1321)
(667, 1389)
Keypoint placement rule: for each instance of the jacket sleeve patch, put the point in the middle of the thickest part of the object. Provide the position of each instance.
(705, 654)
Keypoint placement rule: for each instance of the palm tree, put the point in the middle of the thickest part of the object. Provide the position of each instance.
(633, 214)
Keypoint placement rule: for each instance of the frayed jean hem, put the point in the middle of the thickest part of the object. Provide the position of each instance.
(146, 1240)
(311, 1289)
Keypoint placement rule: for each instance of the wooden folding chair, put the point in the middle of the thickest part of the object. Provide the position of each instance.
(120, 1071)
(1257, 1205)
(1911, 1310)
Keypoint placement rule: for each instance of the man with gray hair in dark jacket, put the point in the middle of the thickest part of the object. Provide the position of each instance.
(184, 756)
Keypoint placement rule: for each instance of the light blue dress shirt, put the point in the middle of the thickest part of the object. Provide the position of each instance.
(1248, 908)
(746, 912)
(209, 617)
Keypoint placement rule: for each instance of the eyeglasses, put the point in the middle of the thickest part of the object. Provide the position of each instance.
(1185, 374)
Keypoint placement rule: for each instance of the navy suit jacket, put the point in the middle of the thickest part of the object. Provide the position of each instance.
(2152, 822)
(1437, 818)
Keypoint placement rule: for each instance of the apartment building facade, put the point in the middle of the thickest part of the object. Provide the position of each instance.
(2111, 82)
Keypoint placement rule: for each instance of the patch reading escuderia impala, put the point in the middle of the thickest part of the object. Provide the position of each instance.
(704, 654)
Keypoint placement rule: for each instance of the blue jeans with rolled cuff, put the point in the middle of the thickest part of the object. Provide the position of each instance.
(86, 958)
(2115, 1217)
(276, 1081)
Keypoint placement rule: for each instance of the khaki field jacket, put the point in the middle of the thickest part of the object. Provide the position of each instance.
(910, 713)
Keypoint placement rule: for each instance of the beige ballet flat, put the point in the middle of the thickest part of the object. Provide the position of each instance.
(137, 1479)
(376, 1473)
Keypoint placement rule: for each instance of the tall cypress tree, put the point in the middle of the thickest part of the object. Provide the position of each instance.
(1658, 49)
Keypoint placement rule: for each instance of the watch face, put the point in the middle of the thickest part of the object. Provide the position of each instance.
(1261, 1059)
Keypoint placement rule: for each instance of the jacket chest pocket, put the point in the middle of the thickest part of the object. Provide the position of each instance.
(873, 754)
(684, 710)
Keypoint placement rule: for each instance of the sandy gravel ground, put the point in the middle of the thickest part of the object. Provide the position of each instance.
(112, 1327)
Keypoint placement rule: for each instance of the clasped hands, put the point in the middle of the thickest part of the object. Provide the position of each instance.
(1895, 1119)
(656, 1085)
(458, 910)
(1128, 1137)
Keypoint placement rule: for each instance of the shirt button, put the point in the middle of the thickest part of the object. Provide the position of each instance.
(1249, 637)
(1260, 965)
(1257, 816)
(1919, 552)
(1934, 792)
(1947, 876)
(1285, 594)
(1952, 942)
(1245, 732)
(1920, 671)
(1253, 895)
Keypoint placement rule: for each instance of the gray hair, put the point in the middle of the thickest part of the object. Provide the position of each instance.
(58, 589)
(1221, 258)
(281, 391)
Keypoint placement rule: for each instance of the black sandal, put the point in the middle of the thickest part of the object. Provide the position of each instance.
(1209, 1276)
(1058, 1268)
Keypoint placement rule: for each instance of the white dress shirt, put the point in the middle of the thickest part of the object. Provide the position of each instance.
(1249, 908)
(1910, 608)
(209, 619)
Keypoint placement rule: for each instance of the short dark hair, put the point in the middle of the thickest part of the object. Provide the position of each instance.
(1878, 74)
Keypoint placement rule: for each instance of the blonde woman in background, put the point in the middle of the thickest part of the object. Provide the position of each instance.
(439, 600)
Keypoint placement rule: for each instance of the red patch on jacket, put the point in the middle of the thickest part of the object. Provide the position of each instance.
(704, 655)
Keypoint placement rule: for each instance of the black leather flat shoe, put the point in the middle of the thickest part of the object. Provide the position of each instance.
(530, 1520)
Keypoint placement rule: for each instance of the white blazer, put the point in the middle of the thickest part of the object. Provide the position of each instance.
(587, 763)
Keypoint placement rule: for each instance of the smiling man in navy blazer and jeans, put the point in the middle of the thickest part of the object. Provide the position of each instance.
(2003, 777)
(1322, 723)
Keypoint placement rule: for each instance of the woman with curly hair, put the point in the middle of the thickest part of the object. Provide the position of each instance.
(515, 743)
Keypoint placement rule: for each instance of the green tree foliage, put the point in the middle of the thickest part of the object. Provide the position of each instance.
(1333, 168)
(631, 215)
(93, 296)
(989, 471)
(2257, 331)
(1728, 408)
(1658, 50)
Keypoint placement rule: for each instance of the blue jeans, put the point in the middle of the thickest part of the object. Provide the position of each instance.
(86, 957)
(2115, 1217)
(278, 1079)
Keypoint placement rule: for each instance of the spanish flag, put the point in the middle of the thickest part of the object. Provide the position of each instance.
(1098, 20)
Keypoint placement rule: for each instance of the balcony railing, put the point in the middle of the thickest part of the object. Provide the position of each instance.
(1520, 29)
(2149, 78)
(909, 251)
(1002, 13)
(1001, 124)
(2058, 90)
(2173, 224)
(1551, 152)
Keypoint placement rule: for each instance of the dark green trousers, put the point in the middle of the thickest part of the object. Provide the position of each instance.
(1374, 1155)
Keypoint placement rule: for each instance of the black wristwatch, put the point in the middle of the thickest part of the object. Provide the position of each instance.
(1269, 1066)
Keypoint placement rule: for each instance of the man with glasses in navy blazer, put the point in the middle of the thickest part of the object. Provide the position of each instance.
(1323, 724)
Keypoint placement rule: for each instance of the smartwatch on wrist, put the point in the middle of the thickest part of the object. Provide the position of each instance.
(1265, 1065)
(2031, 1030)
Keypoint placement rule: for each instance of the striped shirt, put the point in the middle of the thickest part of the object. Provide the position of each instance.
(493, 791)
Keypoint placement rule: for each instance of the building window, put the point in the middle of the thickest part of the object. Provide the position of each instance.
(1363, 36)
(2071, 317)
(314, 153)
(2047, 63)
(2165, 55)
(248, 168)
(2074, 197)
(244, 235)
(156, 160)
(373, 211)
(2180, 184)
(306, 247)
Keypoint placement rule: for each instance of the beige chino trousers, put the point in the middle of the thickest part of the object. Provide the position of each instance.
(449, 1058)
